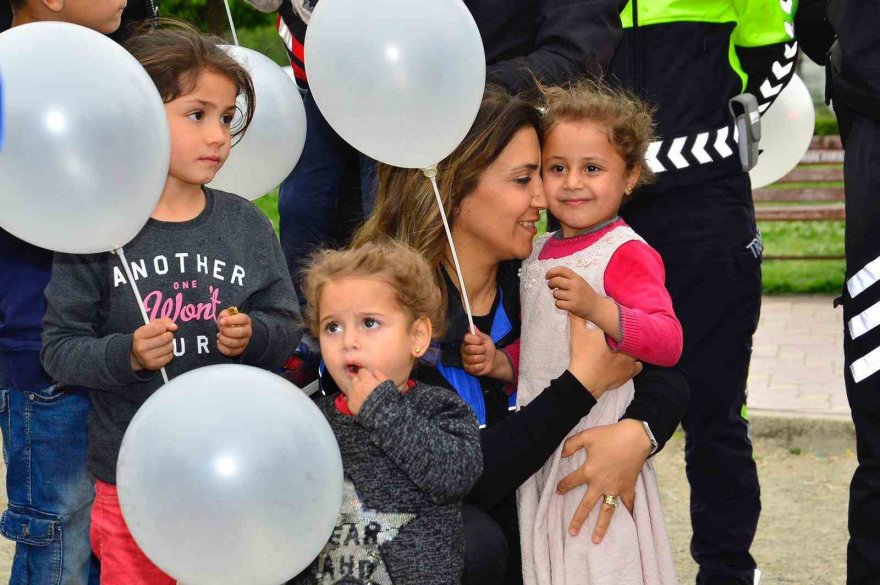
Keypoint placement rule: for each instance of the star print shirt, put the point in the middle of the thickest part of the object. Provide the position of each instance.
(409, 459)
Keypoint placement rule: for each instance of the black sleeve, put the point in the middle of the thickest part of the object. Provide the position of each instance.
(575, 38)
(661, 397)
(814, 32)
(518, 446)
(5, 15)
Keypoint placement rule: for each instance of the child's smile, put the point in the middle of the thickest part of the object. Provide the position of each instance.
(585, 177)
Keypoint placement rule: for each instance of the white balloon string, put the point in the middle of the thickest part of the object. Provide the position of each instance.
(432, 175)
(137, 295)
(231, 23)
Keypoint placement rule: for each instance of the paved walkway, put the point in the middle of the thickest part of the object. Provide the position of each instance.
(797, 359)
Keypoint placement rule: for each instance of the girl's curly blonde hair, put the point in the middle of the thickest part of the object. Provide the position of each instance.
(396, 264)
(628, 121)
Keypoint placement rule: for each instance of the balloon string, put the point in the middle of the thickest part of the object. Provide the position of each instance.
(137, 295)
(231, 23)
(432, 175)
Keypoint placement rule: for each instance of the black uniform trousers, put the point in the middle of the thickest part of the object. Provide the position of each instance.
(861, 137)
(705, 231)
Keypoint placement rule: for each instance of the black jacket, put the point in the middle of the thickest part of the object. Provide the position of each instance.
(516, 445)
(557, 40)
(678, 57)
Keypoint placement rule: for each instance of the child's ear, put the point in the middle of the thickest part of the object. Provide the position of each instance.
(632, 177)
(420, 332)
(55, 6)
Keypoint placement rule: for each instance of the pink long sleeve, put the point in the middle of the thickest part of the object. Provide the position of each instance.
(635, 279)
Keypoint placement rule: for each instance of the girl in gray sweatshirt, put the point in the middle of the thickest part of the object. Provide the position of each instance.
(201, 253)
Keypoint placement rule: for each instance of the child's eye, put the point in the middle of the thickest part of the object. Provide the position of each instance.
(198, 115)
(592, 169)
(332, 327)
(227, 119)
(370, 323)
(557, 168)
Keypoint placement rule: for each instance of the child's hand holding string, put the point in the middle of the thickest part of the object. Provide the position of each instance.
(235, 332)
(364, 383)
(480, 357)
(152, 345)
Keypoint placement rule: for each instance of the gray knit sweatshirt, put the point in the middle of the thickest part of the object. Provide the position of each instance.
(189, 271)
(409, 459)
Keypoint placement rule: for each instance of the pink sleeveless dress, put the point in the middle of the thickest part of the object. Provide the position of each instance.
(635, 550)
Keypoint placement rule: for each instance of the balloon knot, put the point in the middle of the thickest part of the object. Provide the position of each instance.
(430, 172)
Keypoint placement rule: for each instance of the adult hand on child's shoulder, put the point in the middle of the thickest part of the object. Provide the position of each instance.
(478, 354)
(152, 345)
(234, 334)
(364, 383)
(571, 291)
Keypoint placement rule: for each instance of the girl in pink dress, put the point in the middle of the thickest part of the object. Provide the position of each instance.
(596, 268)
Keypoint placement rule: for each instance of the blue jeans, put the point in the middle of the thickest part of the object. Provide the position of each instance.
(328, 173)
(50, 492)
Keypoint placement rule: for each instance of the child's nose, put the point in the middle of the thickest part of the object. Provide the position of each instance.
(350, 338)
(573, 181)
(217, 133)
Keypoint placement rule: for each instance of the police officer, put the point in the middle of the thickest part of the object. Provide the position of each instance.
(852, 66)
(689, 59)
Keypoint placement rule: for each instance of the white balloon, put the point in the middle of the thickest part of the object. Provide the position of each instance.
(230, 474)
(86, 151)
(399, 80)
(274, 141)
(786, 131)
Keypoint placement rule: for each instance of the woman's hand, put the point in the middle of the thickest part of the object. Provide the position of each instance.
(615, 456)
(593, 363)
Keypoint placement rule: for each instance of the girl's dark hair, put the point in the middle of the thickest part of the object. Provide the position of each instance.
(405, 208)
(174, 53)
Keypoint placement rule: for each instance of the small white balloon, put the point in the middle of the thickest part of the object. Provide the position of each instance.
(274, 141)
(229, 474)
(86, 148)
(786, 131)
(399, 80)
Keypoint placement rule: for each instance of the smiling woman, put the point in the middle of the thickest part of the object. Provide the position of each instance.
(492, 192)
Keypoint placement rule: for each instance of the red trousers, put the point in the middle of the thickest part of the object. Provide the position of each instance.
(122, 560)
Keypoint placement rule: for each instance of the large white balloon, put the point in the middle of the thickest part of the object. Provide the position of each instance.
(230, 474)
(400, 80)
(274, 141)
(86, 150)
(786, 130)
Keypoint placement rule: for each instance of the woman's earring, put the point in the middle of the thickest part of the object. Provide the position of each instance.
(418, 349)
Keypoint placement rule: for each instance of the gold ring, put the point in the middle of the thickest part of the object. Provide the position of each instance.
(613, 501)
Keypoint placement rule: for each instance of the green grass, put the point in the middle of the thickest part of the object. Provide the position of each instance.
(268, 204)
(802, 276)
(264, 39)
(780, 237)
